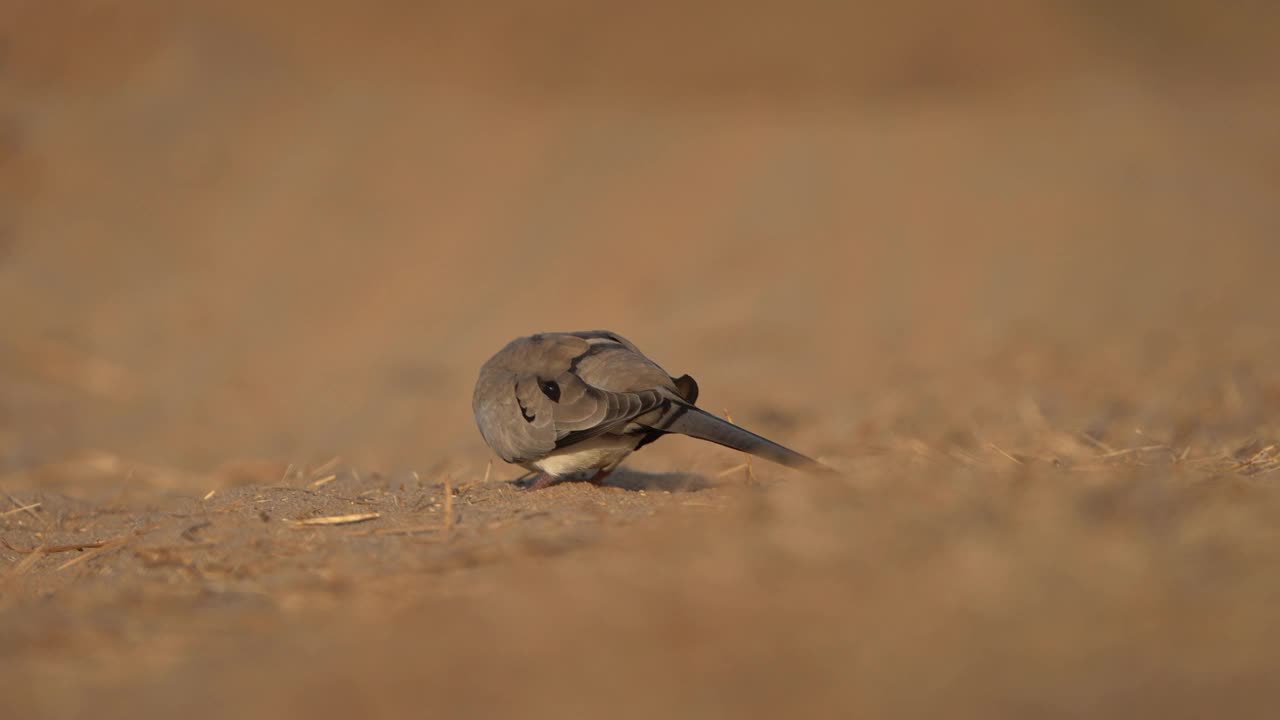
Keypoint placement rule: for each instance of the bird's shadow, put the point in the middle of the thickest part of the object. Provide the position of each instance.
(673, 482)
(637, 481)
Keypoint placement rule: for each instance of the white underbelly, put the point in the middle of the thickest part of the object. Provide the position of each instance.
(587, 456)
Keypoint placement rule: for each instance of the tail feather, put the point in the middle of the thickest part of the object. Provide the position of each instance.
(695, 422)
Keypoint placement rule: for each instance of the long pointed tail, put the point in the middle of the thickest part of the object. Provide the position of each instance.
(695, 422)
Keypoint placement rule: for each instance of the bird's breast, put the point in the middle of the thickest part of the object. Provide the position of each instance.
(598, 452)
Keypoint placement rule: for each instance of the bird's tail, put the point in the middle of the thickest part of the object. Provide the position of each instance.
(695, 422)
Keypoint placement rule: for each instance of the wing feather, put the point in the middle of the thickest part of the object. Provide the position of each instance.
(614, 411)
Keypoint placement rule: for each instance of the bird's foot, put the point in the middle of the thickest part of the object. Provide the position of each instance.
(600, 476)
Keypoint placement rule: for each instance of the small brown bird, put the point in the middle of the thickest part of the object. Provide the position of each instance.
(561, 404)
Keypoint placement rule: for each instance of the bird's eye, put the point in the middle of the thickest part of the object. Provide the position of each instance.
(551, 389)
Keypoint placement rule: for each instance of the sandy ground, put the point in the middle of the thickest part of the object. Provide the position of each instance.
(1012, 273)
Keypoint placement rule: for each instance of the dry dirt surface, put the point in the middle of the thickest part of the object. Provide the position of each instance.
(1010, 267)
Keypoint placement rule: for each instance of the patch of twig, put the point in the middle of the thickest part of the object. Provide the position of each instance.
(53, 549)
(95, 548)
(1263, 461)
(109, 545)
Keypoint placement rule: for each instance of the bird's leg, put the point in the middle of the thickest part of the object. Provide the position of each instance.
(542, 481)
(600, 476)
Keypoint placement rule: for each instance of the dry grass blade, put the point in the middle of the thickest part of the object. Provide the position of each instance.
(168, 549)
(1000, 450)
(30, 510)
(1096, 442)
(326, 467)
(411, 530)
(24, 508)
(730, 471)
(27, 562)
(1130, 451)
(751, 475)
(324, 481)
(95, 548)
(1208, 459)
(104, 547)
(337, 519)
(448, 505)
(1263, 454)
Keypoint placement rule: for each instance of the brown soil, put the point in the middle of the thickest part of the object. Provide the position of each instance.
(1013, 274)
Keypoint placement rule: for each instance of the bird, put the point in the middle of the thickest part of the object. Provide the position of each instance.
(565, 404)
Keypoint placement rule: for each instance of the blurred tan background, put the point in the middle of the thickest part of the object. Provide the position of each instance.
(243, 229)
(234, 231)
